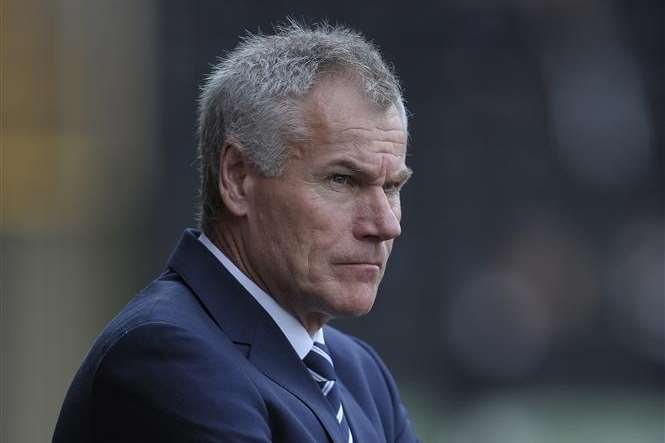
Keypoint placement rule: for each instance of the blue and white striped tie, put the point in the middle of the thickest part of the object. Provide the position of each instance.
(320, 366)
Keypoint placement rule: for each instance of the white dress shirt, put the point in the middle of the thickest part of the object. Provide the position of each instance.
(294, 331)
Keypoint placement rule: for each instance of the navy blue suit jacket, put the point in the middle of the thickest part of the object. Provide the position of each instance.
(194, 358)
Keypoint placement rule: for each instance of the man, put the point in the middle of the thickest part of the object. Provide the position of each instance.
(302, 143)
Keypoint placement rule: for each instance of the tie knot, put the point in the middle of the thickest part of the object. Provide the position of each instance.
(320, 366)
(319, 362)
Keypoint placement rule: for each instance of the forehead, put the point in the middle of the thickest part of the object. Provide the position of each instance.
(343, 124)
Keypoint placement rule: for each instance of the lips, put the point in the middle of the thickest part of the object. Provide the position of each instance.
(361, 262)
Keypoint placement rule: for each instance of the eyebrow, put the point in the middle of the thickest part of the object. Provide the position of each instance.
(402, 176)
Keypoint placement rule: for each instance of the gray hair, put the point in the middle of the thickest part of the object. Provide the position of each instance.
(254, 96)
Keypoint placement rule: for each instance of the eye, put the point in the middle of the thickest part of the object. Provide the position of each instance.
(392, 187)
(340, 179)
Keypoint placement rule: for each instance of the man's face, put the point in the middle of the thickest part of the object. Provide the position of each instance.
(319, 235)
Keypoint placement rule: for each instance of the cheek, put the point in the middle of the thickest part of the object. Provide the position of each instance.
(299, 233)
(302, 231)
(321, 238)
(272, 225)
(316, 217)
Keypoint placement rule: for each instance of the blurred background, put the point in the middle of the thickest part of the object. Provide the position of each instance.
(525, 299)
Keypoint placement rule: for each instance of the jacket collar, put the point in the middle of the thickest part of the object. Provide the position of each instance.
(245, 322)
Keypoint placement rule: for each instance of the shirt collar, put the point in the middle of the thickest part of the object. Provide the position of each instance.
(294, 331)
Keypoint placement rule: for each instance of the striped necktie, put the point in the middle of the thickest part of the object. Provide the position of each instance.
(320, 366)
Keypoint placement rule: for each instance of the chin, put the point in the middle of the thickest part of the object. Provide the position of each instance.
(358, 303)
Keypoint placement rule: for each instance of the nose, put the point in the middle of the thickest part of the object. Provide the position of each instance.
(378, 218)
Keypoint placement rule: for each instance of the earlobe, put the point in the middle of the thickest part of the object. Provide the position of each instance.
(233, 172)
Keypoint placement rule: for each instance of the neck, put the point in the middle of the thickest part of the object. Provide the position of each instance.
(228, 238)
(225, 237)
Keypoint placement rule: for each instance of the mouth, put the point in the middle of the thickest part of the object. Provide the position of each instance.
(368, 269)
(367, 272)
(377, 264)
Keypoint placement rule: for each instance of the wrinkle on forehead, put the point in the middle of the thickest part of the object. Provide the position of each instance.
(389, 129)
(395, 141)
(386, 168)
(342, 124)
(336, 132)
(336, 106)
(375, 146)
(368, 139)
(375, 126)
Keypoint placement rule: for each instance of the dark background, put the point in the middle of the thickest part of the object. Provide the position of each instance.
(524, 300)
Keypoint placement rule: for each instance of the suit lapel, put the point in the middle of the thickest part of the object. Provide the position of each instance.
(287, 370)
(362, 429)
(245, 322)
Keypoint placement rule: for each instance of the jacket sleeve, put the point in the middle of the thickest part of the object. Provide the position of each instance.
(404, 432)
(162, 383)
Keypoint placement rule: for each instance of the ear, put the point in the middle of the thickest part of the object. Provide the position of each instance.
(234, 171)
